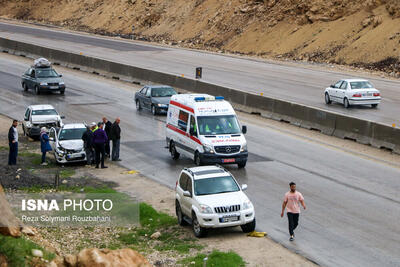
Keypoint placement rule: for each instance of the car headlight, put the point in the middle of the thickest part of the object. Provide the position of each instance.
(244, 148)
(43, 83)
(61, 83)
(247, 205)
(208, 148)
(60, 150)
(205, 209)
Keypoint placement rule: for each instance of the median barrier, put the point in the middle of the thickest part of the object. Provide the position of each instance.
(330, 123)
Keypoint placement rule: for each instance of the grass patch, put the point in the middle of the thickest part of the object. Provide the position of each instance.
(18, 250)
(216, 258)
(3, 148)
(66, 173)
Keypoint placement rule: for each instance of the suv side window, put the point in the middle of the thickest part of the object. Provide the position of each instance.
(28, 72)
(33, 75)
(27, 114)
(148, 93)
(337, 85)
(343, 86)
(183, 181)
(143, 91)
(189, 185)
(183, 120)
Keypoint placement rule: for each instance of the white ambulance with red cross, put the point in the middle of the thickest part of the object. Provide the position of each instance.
(206, 129)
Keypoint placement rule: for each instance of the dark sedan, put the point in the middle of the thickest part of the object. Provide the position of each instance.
(154, 98)
(42, 79)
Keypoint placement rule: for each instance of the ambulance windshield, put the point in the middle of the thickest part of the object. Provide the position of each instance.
(214, 125)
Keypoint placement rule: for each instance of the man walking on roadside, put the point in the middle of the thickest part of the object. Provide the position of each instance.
(13, 143)
(291, 203)
(115, 137)
(107, 129)
(99, 140)
(87, 138)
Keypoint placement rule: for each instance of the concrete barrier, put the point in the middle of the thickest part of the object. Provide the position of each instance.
(362, 131)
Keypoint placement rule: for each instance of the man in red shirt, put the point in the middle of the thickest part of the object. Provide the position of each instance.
(291, 203)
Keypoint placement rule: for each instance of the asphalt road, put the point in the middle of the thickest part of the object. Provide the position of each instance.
(298, 83)
(353, 202)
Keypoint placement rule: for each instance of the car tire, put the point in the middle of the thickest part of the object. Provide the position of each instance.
(179, 214)
(242, 165)
(153, 110)
(327, 99)
(249, 227)
(172, 149)
(197, 229)
(25, 87)
(37, 90)
(62, 92)
(374, 105)
(197, 159)
(346, 103)
(138, 106)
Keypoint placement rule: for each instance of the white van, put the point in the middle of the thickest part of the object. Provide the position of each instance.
(206, 129)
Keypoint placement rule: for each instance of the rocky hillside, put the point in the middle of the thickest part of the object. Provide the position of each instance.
(358, 32)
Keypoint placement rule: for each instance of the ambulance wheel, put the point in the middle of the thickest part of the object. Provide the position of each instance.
(172, 149)
(197, 159)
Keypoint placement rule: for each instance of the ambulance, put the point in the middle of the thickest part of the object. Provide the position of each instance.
(206, 129)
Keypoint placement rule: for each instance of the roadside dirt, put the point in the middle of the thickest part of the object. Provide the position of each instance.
(362, 33)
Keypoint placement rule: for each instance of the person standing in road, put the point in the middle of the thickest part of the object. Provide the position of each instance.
(99, 140)
(115, 137)
(87, 138)
(13, 143)
(44, 144)
(291, 203)
(107, 128)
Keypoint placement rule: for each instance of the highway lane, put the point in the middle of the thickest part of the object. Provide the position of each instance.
(353, 202)
(299, 83)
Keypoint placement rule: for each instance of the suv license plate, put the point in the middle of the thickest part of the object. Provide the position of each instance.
(53, 87)
(228, 160)
(229, 219)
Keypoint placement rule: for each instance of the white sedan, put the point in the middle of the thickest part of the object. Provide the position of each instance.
(353, 92)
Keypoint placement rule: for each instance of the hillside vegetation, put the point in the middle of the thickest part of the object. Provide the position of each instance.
(356, 32)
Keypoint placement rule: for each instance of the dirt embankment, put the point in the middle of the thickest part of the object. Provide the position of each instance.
(355, 32)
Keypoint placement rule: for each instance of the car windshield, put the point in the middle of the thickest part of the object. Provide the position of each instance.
(71, 134)
(44, 112)
(46, 73)
(361, 85)
(213, 125)
(163, 92)
(216, 185)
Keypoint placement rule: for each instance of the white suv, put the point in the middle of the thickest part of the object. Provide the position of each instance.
(209, 197)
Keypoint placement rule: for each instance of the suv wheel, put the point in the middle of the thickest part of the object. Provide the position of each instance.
(138, 106)
(242, 165)
(197, 229)
(25, 87)
(249, 227)
(37, 91)
(374, 105)
(153, 110)
(179, 214)
(197, 159)
(172, 149)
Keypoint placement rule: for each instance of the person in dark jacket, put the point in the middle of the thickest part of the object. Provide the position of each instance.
(99, 140)
(44, 144)
(13, 143)
(115, 137)
(87, 138)
(107, 128)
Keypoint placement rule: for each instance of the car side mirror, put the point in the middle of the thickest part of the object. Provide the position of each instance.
(187, 194)
(332, 86)
(62, 117)
(244, 129)
(26, 119)
(244, 187)
(60, 75)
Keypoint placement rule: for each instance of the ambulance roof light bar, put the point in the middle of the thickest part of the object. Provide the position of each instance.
(209, 98)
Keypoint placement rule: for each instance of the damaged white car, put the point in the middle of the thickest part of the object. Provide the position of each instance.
(67, 143)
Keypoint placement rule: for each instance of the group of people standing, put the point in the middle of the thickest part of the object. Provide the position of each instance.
(97, 142)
